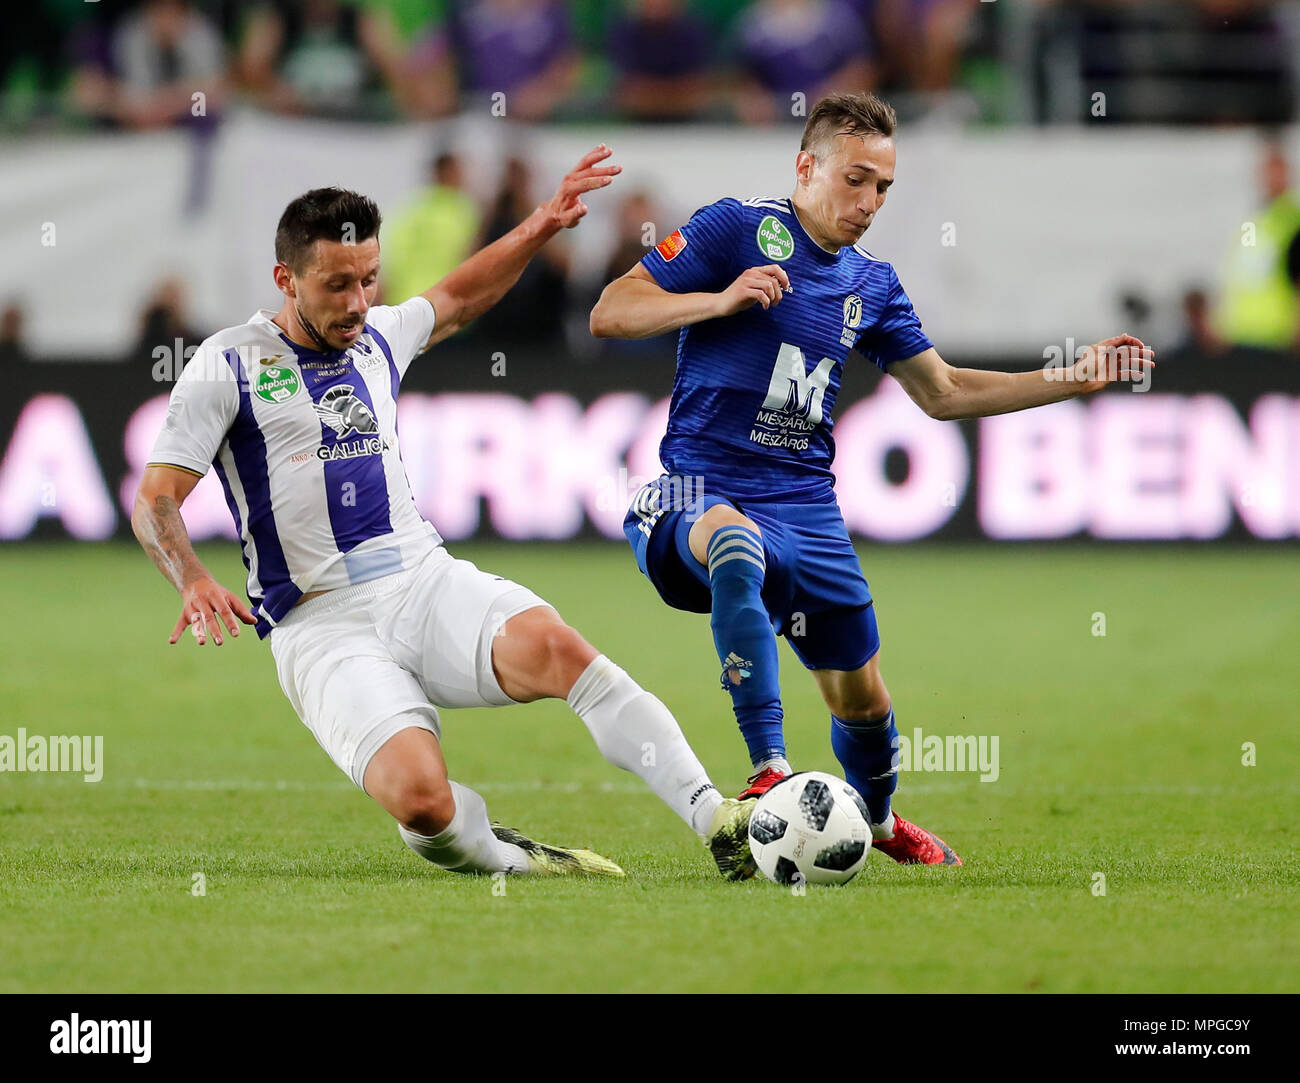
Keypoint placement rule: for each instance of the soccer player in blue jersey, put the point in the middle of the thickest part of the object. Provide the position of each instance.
(770, 296)
(373, 625)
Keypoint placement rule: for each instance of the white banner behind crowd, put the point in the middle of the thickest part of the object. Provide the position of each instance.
(1006, 242)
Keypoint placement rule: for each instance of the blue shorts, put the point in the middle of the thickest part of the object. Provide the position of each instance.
(814, 590)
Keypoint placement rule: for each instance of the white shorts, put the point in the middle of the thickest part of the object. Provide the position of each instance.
(353, 659)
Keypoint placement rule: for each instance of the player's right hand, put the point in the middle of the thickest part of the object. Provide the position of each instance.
(759, 285)
(207, 605)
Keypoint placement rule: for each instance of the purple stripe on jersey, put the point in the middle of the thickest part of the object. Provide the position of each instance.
(248, 446)
(394, 376)
(233, 505)
(356, 488)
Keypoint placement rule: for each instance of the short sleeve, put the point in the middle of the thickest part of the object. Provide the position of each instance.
(699, 256)
(896, 334)
(203, 406)
(403, 329)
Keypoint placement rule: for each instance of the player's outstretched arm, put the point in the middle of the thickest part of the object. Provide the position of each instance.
(483, 279)
(636, 306)
(156, 520)
(949, 393)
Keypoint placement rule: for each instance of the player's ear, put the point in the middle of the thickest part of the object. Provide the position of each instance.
(803, 166)
(284, 279)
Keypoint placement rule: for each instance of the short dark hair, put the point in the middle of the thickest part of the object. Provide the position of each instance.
(324, 214)
(847, 114)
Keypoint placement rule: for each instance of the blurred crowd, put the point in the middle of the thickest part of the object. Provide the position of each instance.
(146, 64)
(141, 63)
(1253, 304)
(425, 238)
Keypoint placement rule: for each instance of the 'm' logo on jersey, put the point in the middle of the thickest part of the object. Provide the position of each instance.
(671, 245)
(277, 385)
(774, 240)
(343, 412)
(793, 406)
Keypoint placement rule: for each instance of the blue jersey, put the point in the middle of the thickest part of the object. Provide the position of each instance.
(754, 392)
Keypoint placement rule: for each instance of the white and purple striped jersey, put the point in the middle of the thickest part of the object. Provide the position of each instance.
(305, 445)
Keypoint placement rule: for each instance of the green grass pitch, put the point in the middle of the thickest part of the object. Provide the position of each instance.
(1119, 754)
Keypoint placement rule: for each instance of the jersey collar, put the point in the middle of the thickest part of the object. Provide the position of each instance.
(268, 316)
(818, 252)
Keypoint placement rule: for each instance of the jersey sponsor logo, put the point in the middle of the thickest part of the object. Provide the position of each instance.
(277, 385)
(671, 245)
(353, 449)
(793, 406)
(774, 240)
(343, 412)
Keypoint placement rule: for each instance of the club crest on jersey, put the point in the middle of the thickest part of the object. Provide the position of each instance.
(276, 385)
(852, 319)
(774, 240)
(671, 245)
(343, 412)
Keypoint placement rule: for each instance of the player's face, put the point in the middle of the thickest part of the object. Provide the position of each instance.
(846, 188)
(335, 289)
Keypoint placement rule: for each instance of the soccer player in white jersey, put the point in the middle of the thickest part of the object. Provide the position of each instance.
(372, 623)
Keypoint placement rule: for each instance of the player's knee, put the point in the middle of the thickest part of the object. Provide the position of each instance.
(425, 806)
(859, 704)
(724, 515)
(716, 518)
(564, 651)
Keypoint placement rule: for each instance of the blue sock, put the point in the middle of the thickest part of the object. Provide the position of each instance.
(868, 752)
(746, 643)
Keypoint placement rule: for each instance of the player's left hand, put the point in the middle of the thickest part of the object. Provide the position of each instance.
(566, 209)
(1122, 358)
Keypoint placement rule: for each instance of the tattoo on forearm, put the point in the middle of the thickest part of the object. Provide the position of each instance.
(162, 532)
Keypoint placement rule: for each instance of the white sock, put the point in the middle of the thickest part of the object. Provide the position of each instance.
(885, 831)
(467, 843)
(636, 732)
(779, 762)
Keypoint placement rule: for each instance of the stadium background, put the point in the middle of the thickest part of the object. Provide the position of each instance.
(1019, 225)
(1067, 170)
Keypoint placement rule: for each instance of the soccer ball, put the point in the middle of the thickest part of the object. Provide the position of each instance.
(810, 828)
